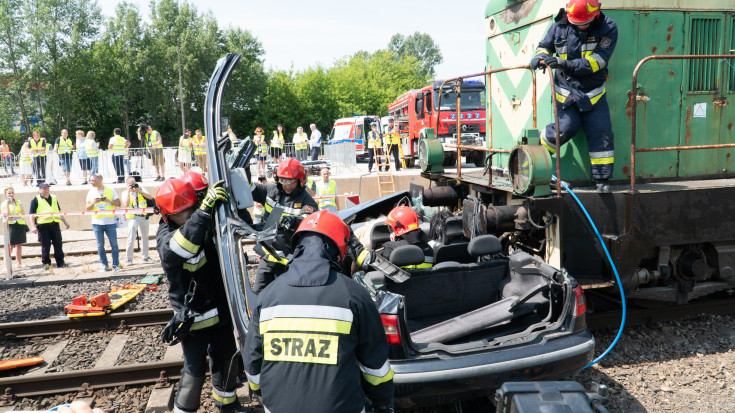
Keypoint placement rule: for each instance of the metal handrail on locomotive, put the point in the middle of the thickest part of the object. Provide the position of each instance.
(669, 222)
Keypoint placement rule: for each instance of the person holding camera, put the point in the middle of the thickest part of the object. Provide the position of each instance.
(154, 143)
(136, 197)
(104, 198)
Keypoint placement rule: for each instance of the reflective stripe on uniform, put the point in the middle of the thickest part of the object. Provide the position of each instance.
(196, 262)
(602, 158)
(253, 380)
(224, 397)
(545, 143)
(597, 62)
(542, 50)
(562, 51)
(270, 203)
(208, 319)
(306, 311)
(321, 325)
(377, 376)
(182, 246)
(594, 95)
(588, 47)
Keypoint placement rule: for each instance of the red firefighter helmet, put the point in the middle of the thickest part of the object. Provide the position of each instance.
(581, 12)
(197, 180)
(402, 219)
(328, 224)
(174, 196)
(291, 168)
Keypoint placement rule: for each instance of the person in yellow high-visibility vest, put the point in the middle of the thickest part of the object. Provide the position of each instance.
(117, 147)
(392, 140)
(185, 151)
(199, 143)
(277, 143)
(92, 148)
(47, 226)
(26, 167)
(324, 188)
(104, 198)
(16, 224)
(373, 145)
(262, 150)
(300, 142)
(136, 197)
(64, 147)
(38, 153)
(154, 143)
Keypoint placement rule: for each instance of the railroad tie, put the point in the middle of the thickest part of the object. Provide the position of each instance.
(162, 397)
(49, 357)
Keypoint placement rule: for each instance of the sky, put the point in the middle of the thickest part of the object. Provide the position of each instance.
(300, 34)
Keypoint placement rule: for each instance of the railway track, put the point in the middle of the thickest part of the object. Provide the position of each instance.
(50, 327)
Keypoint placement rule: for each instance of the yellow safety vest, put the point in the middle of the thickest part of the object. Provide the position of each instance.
(154, 140)
(395, 136)
(184, 148)
(299, 141)
(14, 210)
(90, 146)
(322, 189)
(373, 140)
(262, 146)
(141, 203)
(25, 156)
(277, 141)
(65, 145)
(104, 206)
(199, 150)
(118, 145)
(44, 208)
(37, 146)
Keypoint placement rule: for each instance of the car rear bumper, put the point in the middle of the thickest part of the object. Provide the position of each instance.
(450, 378)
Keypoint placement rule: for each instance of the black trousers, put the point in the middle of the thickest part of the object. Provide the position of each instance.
(119, 164)
(265, 274)
(394, 152)
(371, 159)
(276, 153)
(50, 234)
(39, 168)
(219, 343)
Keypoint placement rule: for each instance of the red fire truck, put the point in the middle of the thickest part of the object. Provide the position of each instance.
(418, 109)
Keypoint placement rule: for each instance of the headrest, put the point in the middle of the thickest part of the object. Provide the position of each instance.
(484, 245)
(379, 234)
(452, 229)
(407, 255)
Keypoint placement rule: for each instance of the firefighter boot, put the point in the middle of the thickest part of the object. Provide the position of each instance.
(603, 186)
(187, 396)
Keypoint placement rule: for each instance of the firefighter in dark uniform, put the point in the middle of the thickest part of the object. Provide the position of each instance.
(583, 40)
(290, 194)
(316, 341)
(201, 321)
(404, 226)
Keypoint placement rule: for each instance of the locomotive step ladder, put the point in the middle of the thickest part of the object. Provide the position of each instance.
(386, 184)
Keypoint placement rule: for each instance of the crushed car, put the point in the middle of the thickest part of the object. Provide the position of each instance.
(478, 318)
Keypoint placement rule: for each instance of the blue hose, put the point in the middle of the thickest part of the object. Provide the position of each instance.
(615, 271)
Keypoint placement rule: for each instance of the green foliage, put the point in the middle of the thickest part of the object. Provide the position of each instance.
(62, 62)
(422, 47)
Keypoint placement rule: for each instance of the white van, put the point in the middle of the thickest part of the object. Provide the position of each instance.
(355, 130)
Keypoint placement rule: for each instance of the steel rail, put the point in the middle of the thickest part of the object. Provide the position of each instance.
(636, 317)
(57, 326)
(96, 378)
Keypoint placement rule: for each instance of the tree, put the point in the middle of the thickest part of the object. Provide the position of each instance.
(422, 47)
(13, 46)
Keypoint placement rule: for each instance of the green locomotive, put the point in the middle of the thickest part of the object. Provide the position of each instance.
(669, 223)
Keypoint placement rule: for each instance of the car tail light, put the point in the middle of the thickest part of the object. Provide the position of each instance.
(579, 300)
(390, 325)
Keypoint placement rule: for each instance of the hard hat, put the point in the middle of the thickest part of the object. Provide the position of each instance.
(291, 168)
(328, 224)
(581, 12)
(174, 196)
(197, 180)
(402, 219)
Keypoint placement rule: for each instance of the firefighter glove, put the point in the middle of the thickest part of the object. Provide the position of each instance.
(289, 222)
(536, 61)
(556, 62)
(177, 328)
(216, 194)
(364, 259)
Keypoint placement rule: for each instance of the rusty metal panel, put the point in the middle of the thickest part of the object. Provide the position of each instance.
(659, 97)
(702, 87)
(714, 5)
